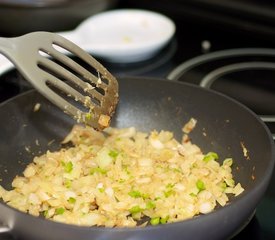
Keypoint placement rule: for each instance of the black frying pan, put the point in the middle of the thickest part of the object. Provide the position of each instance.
(224, 126)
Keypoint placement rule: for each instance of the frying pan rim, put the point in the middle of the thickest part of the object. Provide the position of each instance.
(200, 218)
(212, 91)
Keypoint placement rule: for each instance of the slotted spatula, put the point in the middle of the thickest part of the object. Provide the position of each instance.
(88, 96)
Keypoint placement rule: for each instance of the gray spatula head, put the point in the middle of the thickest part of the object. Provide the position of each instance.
(88, 94)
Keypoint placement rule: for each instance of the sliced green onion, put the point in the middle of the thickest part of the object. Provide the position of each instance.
(170, 185)
(223, 185)
(60, 211)
(113, 154)
(71, 200)
(145, 195)
(155, 220)
(88, 116)
(210, 156)
(177, 170)
(228, 162)
(125, 168)
(164, 220)
(200, 185)
(170, 190)
(135, 194)
(67, 183)
(229, 182)
(193, 194)
(68, 167)
(98, 170)
(121, 180)
(135, 209)
(150, 205)
(45, 213)
(168, 193)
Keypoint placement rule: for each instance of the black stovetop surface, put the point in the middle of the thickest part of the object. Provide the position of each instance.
(187, 44)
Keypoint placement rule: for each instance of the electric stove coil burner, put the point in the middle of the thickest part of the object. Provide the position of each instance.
(229, 67)
(214, 56)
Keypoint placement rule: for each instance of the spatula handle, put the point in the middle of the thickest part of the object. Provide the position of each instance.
(7, 47)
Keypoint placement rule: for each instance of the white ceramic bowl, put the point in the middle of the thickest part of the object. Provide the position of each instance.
(127, 35)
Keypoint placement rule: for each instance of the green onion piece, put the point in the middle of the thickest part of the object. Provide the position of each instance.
(150, 205)
(68, 167)
(228, 162)
(229, 182)
(170, 185)
(177, 170)
(113, 154)
(155, 220)
(59, 211)
(200, 185)
(125, 168)
(135, 194)
(98, 170)
(223, 185)
(71, 200)
(170, 190)
(101, 190)
(145, 195)
(192, 194)
(67, 183)
(88, 116)
(45, 213)
(210, 156)
(164, 220)
(168, 193)
(135, 209)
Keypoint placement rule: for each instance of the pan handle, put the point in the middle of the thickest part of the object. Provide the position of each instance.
(211, 77)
